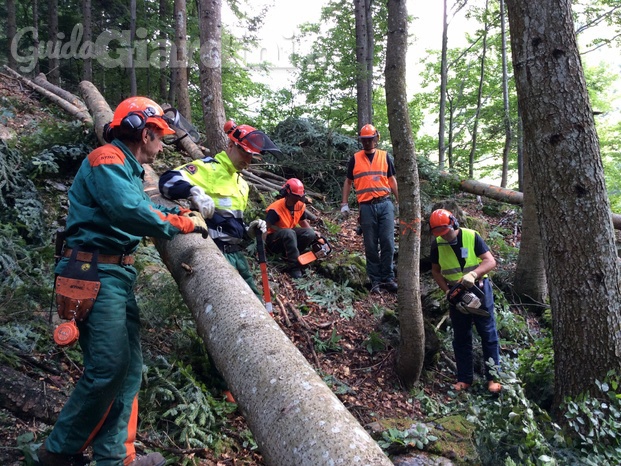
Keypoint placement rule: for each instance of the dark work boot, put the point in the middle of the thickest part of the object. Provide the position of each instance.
(152, 459)
(390, 285)
(295, 273)
(46, 458)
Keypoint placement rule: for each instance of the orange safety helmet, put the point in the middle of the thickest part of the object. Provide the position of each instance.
(368, 131)
(293, 186)
(250, 139)
(136, 112)
(441, 222)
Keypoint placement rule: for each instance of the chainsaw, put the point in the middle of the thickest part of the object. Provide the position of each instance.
(320, 249)
(467, 300)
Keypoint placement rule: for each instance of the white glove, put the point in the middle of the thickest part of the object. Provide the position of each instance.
(202, 202)
(469, 279)
(255, 225)
(345, 209)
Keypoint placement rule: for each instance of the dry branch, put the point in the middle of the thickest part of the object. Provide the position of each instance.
(508, 195)
(81, 115)
(42, 81)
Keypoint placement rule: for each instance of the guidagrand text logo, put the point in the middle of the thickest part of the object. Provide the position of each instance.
(110, 49)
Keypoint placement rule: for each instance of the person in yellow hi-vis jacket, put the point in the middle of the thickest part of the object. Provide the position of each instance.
(460, 255)
(216, 188)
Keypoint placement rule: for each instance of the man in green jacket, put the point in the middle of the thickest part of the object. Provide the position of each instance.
(109, 213)
(216, 188)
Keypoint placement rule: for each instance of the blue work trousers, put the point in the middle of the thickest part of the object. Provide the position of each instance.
(462, 338)
(378, 229)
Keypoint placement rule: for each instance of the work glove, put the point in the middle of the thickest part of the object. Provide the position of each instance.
(202, 202)
(199, 223)
(255, 225)
(345, 210)
(469, 279)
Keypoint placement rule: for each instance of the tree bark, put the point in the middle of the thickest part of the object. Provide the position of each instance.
(529, 280)
(74, 100)
(11, 30)
(180, 66)
(411, 352)
(83, 116)
(210, 67)
(87, 62)
(572, 204)
(294, 417)
(477, 114)
(28, 398)
(443, 82)
(505, 98)
(53, 61)
(98, 107)
(131, 67)
(364, 72)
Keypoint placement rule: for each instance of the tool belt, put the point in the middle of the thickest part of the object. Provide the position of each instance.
(120, 259)
(77, 286)
(227, 248)
(377, 200)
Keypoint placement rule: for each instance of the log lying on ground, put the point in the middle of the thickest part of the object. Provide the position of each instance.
(98, 107)
(508, 195)
(28, 398)
(294, 417)
(81, 115)
(74, 100)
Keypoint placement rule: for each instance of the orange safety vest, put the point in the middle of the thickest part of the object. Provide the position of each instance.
(286, 219)
(371, 178)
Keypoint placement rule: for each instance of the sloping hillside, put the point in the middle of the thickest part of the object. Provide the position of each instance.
(346, 333)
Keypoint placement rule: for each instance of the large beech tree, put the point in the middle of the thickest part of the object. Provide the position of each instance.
(570, 193)
(412, 346)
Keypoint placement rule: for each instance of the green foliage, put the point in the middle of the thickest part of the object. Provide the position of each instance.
(594, 422)
(374, 343)
(329, 345)
(536, 370)
(181, 408)
(332, 296)
(326, 76)
(511, 426)
(418, 436)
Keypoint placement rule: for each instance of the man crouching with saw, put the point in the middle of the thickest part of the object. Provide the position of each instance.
(460, 261)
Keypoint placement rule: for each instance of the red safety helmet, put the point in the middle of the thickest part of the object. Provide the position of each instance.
(136, 112)
(442, 221)
(250, 139)
(368, 131)
(293, 186)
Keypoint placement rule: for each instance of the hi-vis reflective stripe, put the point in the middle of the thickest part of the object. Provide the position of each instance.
(370, 173)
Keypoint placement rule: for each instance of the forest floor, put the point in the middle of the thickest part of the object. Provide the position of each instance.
(359, 370)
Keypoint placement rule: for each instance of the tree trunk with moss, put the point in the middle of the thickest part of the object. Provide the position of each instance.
(294, 417)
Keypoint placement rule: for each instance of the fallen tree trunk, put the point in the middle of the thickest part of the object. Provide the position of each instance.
(98, 107)
(508, 195)
(42, 81)
(294, 417)
(82, 115)
(27, 398)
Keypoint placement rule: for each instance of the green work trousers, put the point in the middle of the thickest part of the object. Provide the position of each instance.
(238, 260)
(102, 409)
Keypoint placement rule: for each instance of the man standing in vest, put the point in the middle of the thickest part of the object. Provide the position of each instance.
(461, 255)
(218, 191)
(372, 173)
(288, 229)
(109, 213)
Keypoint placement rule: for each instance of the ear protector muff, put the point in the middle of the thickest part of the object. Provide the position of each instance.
(134, 121)
(454, 223)
(286, 189)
